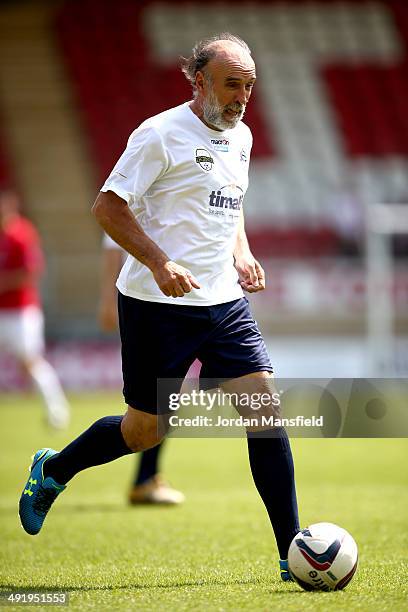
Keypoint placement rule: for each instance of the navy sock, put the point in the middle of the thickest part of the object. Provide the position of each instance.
(101, 443)
(148, 466)
(272, 469)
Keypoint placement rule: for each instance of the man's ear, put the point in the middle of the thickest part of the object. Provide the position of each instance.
(199, 81)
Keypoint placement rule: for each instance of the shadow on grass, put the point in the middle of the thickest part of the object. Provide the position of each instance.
(92, 507)
(41, 588)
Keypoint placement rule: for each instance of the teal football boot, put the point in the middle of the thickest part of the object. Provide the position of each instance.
(284, 571)
(39, 493)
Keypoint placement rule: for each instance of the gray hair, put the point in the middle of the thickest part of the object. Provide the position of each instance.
(203, 52)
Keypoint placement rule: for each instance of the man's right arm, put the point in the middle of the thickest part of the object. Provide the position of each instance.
(115, 217)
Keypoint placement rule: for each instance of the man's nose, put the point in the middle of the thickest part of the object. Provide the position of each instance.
(242, 96)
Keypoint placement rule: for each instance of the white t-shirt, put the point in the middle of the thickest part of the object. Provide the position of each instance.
(185, 184)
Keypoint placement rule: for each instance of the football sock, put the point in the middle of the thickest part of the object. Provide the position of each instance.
(272, 469)
(148, 466)
(101, 443)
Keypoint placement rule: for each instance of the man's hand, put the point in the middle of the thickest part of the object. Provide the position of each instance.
(174, 280)
(118, 221)
(251, 274)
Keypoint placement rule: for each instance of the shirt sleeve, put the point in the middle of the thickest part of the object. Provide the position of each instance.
(143, 161)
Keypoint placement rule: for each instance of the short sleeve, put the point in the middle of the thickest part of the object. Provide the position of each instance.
(143, 161)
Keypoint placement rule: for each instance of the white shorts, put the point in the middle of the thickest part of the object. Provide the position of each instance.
(22, 332)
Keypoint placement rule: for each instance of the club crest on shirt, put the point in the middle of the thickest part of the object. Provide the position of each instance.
(204, 160)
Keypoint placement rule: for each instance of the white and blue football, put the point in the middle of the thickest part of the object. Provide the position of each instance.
(323, 557)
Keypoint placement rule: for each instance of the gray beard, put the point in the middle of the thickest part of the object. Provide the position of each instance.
(212, 113)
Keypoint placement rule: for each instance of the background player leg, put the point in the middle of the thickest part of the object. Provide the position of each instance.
(148, 486)
(46, 381)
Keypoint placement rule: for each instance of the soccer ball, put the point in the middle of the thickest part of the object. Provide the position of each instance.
(323, 557)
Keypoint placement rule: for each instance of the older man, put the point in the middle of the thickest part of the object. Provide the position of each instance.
(174, 203)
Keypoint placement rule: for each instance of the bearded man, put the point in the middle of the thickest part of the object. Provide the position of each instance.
(174, 202)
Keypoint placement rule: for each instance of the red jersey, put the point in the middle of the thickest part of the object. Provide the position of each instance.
(20, 249)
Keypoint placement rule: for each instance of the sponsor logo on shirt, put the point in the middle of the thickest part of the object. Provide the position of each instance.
(229, 197)
(204, 160)
(220, 144)
(243, 156)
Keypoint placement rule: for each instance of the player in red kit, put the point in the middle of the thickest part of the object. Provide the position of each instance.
(21, 317)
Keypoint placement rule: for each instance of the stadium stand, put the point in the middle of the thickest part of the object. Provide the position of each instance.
(134, 85)
(328, 112)
(7, 179)
(51, 172)
(328, 116)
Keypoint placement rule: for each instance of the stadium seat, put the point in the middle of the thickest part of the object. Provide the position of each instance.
(332, 94)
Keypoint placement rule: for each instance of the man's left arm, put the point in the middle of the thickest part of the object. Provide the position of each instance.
(250, 271)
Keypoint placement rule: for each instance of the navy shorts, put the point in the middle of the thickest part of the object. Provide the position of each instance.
(161, 341)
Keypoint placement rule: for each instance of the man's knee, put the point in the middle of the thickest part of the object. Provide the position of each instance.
(141, 430)
(256, 396)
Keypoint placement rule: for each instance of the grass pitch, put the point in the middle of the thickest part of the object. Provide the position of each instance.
(216, 552)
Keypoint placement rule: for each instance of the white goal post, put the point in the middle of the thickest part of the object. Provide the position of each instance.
(382, 221)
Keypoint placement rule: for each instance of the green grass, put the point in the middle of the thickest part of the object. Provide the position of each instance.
(216, 552)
